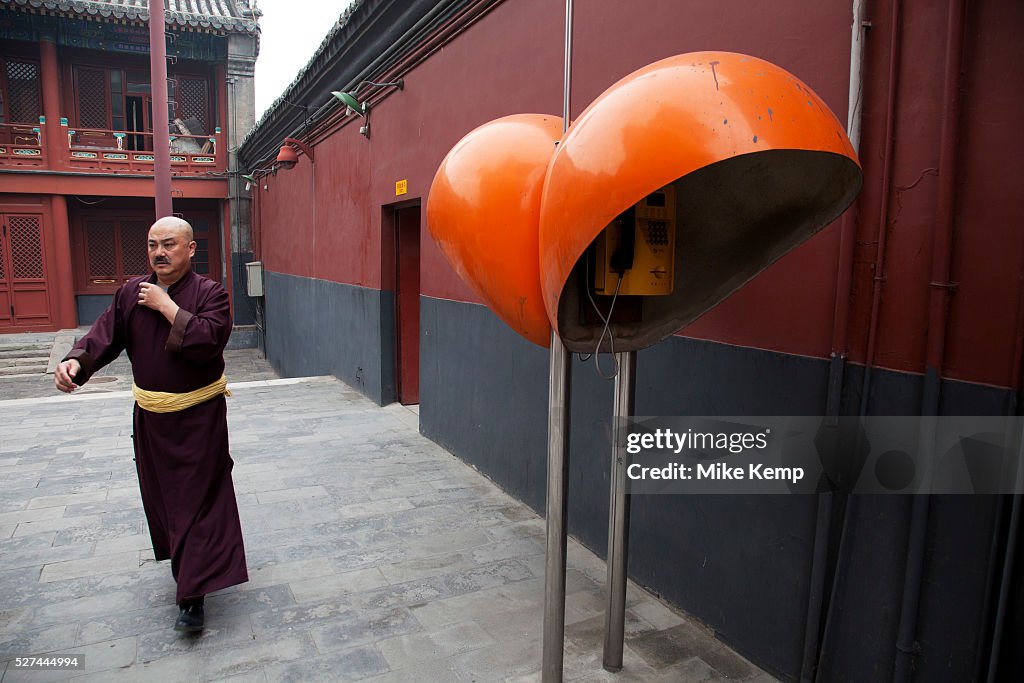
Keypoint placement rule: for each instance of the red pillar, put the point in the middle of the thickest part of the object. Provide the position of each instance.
(161, 130)
(55, 143)
(222, 120)
(63, 285)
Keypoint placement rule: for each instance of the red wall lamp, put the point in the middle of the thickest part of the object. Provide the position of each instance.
(287, 158)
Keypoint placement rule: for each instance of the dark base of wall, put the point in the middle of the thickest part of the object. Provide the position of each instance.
(244, 337)
(739, 563)
(351, 336)
(91, 306)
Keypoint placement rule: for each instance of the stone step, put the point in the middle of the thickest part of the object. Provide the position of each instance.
(22, 362)
(18, 347)
(26, 353)
(38, 369)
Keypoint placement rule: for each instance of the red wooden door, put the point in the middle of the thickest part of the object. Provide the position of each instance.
(407, 296)
(24, 295)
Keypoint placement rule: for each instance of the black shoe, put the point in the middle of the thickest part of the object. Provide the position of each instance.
(190, 620)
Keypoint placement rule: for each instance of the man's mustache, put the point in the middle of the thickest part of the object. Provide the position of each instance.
(161, 259)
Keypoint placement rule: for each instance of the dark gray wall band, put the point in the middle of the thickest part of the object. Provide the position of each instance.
(316, 327)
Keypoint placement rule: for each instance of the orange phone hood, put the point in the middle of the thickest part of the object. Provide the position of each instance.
(759, 162)
(483, 210)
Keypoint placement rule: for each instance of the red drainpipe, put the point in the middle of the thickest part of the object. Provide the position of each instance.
(878, 268)
(938, 317)
(942, 249)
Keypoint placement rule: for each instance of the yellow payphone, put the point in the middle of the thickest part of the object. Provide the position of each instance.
(639, 246)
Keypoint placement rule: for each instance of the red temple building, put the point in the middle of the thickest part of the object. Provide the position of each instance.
(76, 147)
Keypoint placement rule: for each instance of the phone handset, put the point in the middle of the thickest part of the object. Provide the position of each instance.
(635, 254)
(622, 256)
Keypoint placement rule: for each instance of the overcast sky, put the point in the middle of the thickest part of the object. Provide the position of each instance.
(292, 30)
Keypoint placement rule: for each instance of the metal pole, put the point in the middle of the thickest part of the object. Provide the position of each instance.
(559, 400)
(161, 131)
(559, 395)
(618, 513)
(567, 75)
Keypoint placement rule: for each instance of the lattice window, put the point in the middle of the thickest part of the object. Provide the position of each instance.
(92, 98)
(26, 247)
(134, 254)
(23, 105)
(3, 268)
(191, 97)
(100, 252)
(201, 259)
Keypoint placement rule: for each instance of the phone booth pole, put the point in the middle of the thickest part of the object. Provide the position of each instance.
(618, 513)
(559, 395)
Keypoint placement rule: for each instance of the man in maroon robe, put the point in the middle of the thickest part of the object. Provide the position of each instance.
(174, 325)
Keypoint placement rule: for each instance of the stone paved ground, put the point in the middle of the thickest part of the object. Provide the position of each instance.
(373, 555)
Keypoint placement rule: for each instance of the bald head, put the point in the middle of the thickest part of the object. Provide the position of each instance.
(175, 224)
(171, 248)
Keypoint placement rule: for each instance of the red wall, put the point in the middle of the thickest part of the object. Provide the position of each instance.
(512, 62)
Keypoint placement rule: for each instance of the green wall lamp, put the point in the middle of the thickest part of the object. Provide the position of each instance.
(351, 100)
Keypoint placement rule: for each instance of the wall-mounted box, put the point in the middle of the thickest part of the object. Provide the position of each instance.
(254, 278)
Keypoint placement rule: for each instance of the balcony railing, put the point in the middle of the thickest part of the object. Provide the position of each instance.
(132, 152)
(21, 145)
(109, 151)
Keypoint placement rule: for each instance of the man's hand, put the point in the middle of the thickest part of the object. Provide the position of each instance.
(153, 296)
(63, 376)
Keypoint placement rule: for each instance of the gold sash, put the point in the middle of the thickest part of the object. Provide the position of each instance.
(167, 402)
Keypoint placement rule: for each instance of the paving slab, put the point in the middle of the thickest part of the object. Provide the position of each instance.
(373, 555)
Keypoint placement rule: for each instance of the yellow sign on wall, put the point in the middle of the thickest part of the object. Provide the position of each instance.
(401, 187)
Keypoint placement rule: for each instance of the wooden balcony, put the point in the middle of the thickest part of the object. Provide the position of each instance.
(109, 151)
(21, 145)
(132, 152)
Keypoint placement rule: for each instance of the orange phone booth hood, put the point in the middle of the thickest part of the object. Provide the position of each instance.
(484, 208)
(758, 161)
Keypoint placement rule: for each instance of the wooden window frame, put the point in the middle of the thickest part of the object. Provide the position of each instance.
(79, 63)
(75, 69)
(5, 95)
(79, 243)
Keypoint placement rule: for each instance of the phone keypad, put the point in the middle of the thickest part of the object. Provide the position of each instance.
(657, 233)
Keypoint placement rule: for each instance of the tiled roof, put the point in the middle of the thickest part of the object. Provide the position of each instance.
(231, 16)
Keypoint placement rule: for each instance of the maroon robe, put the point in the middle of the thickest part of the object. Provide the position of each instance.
(182, 458)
